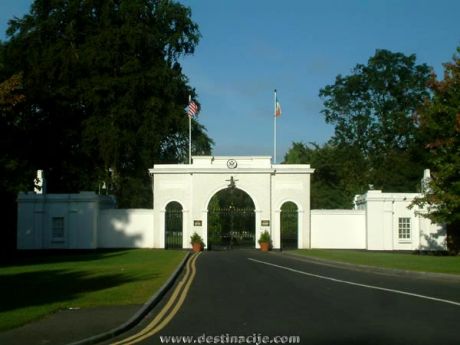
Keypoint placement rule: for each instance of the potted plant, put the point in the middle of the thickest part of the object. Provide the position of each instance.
(197, 242)
(265, 241)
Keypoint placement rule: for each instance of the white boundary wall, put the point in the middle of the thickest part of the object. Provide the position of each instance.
(125, 228)
(338, 229)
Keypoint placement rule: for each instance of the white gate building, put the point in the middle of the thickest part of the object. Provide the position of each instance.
(268, 185)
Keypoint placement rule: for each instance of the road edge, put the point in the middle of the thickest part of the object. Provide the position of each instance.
(140, 314)
(374, 269)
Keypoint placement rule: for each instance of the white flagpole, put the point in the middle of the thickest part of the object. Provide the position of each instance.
(189, 133)
(274, 128)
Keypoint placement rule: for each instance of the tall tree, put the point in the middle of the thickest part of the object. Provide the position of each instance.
(92, 92)
(339, 173)
(104, 90)
(373, 110)
(12, 164)
(440, 126)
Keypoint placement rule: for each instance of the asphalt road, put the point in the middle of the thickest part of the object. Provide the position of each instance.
(249, 293)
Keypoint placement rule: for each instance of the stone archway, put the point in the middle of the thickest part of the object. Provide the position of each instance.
(193, 186)
(231, 220)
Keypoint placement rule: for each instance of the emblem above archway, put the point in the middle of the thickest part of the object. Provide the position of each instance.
(232, 163)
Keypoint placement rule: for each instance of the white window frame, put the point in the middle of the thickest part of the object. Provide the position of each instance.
(404, 229)
(58, 229)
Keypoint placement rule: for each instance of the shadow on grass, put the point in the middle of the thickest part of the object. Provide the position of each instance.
(34, 257)
(27, 289)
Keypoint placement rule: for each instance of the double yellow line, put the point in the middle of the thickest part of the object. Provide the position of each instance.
(170, 309)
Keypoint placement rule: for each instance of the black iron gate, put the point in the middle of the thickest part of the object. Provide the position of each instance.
(231, 227)
(289, 225)
(173, 227)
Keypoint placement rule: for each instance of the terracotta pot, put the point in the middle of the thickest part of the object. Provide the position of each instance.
(264, 246)
(197, 247)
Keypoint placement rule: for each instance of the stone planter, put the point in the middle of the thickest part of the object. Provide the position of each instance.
(197, 247)
(264, 246)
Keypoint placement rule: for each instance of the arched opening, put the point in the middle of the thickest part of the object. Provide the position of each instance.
(289, 223)
(231, 220)
(173, 225)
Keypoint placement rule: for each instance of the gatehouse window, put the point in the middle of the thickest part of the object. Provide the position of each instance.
(404, 228)
(57, 229)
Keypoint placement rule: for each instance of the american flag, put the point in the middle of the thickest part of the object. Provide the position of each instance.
(192, 109)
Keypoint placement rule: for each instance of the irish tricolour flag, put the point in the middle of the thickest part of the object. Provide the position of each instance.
(277, 107)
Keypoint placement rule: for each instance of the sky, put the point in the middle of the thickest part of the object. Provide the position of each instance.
(249, 48)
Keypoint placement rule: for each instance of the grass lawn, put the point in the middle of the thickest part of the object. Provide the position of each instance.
(414, 262)
(34, 286)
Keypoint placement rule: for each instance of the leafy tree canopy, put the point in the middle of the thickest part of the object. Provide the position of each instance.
(373, 111)
(440, 126)
(102, 92)
(339, 173)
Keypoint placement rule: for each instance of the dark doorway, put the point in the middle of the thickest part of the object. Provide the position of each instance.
(289, 225)
(173, 226)
(231, 220)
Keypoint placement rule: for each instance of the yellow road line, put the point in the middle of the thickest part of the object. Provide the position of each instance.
(175, 309)
(154, 326)
(164, 310)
